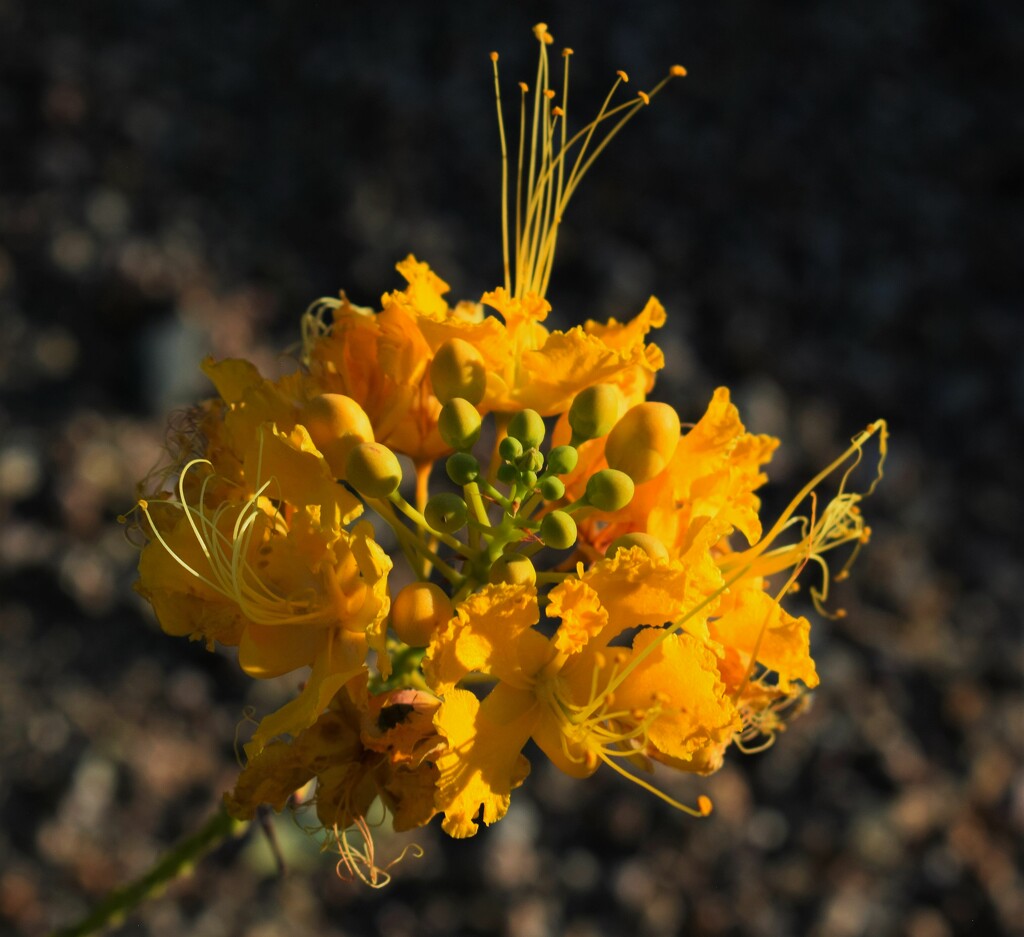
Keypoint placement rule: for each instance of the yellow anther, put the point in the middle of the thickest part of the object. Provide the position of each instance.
(660, 696)
(704, 805)
(494, 56)
(600, 661)
(556, 111)
(523, 87)
(540, 30)
(144, 504)
(549, 94)
(677, 71)
(567, 51)
(644, 96)
(623, 76)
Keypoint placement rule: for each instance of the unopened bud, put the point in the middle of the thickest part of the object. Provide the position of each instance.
(594, 411)
(508, 474)
(551, 489)
(609, 490)
(462, 468)
(373, 470)
(458, 371)
(528, 427)
(446, 512)
(336, 424)
(510, 449)
(558, 530)
(652, 546)
(459, 423)
(531, 461)
(643, 441)
(528, 480)
(418, 611)
(514, 569)
(562, 460)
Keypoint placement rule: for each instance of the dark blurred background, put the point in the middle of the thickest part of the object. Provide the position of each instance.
(830, 209)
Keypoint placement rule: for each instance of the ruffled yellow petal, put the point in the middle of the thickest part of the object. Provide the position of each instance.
(677, 684)
(581, 613)
(482, 764)
(270, 777)
(426, 289)
(491, 632)
(756, 626)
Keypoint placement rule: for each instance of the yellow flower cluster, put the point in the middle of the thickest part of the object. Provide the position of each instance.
(587, 571)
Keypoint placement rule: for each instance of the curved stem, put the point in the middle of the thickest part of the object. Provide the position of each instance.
(171, 865)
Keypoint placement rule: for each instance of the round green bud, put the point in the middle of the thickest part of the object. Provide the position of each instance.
(594, 411)
(373, 470)
(510, 449)
(514, 568)
(643, 441)
(531, 461)
(652, 546)
(508, 474)
(609, 490)
(458, 371)
(528, 427)
(551, 489)
(418, 611)
(558, 530)
(462, 468)
(528, 480)
(446, 512)
(459, 423)
(562, 459)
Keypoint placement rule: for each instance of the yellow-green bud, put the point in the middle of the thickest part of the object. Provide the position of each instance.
(528, 479)
(336, 424)
(562, 460)
(558, 530)
(508, 474)
(446, 512)
(515, 569)
(510, 449)
(594, 411)
(459, 423)
(458, 371)
(418, 611)
(528, 427)
(531, 461)
(652, 546)
(551, 489)
(373, 470)
(609, 490)
(462, 468)
(643, 441)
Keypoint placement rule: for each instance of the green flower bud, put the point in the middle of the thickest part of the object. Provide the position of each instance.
(551, 489)
(562, 460)
(462, 468)
(528, 427)
(609, 490)
(373, 470)
(514, 568)
(594, 411)
(531, 461)
(446, 512)
(459, 423)
(508, 474)
(558, 530)
(652, 546)
(528, 480)
(643, 441)
(458, 371)
(510, 449)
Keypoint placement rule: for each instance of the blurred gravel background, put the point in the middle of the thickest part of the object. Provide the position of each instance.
(830, 208)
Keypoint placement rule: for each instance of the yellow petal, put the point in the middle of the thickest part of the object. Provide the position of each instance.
(482, 764)
(581, 613)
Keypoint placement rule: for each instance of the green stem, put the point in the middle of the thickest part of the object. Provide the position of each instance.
(179, 861)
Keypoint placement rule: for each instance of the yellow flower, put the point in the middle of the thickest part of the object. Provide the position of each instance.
(275, 574)
(582, 701)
